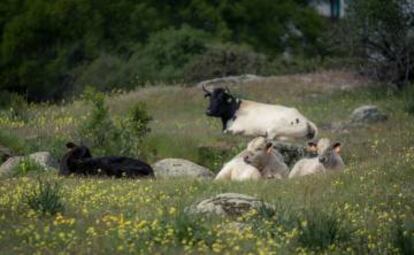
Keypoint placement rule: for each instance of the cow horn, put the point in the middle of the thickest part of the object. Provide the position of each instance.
(227, 89)
(205, 89)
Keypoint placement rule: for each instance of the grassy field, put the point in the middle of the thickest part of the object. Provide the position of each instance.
(368, 209)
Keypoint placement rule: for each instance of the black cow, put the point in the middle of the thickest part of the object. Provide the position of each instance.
(79, 160)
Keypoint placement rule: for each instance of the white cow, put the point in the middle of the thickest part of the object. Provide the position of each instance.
(257, 119)
(258, 161)
(328, 160)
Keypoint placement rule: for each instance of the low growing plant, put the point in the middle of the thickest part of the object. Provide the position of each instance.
(45, 198)
(319, 230)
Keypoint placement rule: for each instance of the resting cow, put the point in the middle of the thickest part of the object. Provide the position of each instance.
(238, 170)
(258, 161)
(78, 160)
(257, 119)
(328, 160)
(261, 154)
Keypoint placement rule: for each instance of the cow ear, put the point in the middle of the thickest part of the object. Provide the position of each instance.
(207, 94)
(70, 145)
(312, 147)
(337, 147)
(269, 147)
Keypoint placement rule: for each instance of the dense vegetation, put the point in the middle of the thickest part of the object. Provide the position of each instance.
(51, 48)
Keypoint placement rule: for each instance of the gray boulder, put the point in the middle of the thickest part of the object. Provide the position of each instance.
(44, 159)
(172, 167)
(367, 114)
(230, 80)
(228, 204)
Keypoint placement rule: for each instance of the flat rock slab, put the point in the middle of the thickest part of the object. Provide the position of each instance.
(172, 168)
(44, 159)
(228, 204)
(368, 114)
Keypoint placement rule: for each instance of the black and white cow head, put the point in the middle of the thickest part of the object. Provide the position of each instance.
(222, 104)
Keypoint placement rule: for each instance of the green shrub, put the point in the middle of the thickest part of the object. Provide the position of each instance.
(45, 198)
(99, 130)
(133, 130)
(221, 60)
(109, 137)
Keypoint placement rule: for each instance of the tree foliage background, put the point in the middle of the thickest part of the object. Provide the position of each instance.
(52, 48)
(381, 36)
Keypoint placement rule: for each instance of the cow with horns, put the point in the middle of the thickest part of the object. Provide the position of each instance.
(251, 118)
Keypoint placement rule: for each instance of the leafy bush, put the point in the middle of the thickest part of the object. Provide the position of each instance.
(45, 198)
(133, 130)
(221, 60)
(99, 129)
(109, 137)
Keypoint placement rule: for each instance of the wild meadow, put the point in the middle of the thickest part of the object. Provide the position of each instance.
(367, 209)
